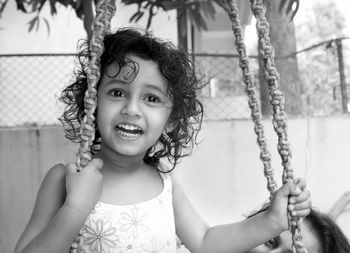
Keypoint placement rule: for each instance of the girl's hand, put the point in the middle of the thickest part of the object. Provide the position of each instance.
(84, 188)
(300, 205)
(294, 196)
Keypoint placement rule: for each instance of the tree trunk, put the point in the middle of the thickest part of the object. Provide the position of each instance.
(282, 34)
(88, 16)
(182, 29)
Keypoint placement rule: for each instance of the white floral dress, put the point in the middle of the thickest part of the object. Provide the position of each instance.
(144, 227)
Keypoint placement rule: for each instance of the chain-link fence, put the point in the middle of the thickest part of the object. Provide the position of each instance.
(31, 84)
(224, 97)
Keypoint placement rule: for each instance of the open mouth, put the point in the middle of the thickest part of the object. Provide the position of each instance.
(129, 130)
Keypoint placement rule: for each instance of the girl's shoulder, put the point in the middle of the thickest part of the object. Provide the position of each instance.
(56, 173)
(54, 182)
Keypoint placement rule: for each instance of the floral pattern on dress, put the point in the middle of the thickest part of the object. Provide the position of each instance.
(128, 245)
(133, 222)
(100, 235)
(146, 227)
(154, 246)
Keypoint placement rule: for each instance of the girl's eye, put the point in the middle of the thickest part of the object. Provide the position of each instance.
(271, 244)
(117, 93)
(153, 99)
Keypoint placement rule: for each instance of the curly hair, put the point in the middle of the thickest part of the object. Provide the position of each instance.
(329, 236)
(174, 65)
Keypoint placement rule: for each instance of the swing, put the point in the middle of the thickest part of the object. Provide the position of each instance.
(276, 100)
(105, 10)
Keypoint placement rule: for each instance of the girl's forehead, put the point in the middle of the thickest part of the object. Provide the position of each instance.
(136, 70)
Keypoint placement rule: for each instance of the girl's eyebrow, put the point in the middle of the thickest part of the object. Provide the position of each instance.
(155, 87)
(115, 80)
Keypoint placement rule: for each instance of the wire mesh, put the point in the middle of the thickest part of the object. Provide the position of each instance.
(30, 86)
(224, 97)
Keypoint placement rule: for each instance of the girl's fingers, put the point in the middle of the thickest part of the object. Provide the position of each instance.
(303, 196)
(299, 244)
(95, 163)
(300, 182)
(301, 213)
(300, 206)
(71, 167)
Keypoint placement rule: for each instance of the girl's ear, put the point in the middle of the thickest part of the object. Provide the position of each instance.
(171, 125)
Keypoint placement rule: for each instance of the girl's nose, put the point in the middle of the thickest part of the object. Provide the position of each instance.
(131, 108)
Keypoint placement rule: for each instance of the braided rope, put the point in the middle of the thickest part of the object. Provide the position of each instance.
(101, 25)
(248, 79)
(276, 100)
(105, 10)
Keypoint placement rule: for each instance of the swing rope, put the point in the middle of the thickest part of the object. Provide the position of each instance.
(101, 25)
(248, 79)
(276, 100)
(105, 10)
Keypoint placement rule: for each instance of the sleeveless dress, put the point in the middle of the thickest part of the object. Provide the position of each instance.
(148, 226)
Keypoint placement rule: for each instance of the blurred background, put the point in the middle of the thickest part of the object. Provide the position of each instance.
(224, 176)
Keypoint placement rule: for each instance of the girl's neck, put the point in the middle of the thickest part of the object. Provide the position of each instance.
(120, 163)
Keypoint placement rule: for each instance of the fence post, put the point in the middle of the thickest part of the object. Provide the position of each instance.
(342, 75)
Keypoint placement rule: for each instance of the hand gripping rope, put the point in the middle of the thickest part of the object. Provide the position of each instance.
(105, 10)
(276, 100)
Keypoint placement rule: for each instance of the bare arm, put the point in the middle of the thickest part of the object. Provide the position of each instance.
(235, 237)
(57, 217)
(340, 205)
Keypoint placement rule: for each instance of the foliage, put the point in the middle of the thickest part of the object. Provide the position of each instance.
(319, 65)
(35, 6)
(198, 11)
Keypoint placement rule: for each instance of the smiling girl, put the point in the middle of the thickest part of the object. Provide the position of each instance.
(125, 199)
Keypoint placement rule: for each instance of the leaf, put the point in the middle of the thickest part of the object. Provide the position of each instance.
(37, 24)
(47, 26)
(135, 16)
(32, 23)
(20, 6)
(198, 20)
(2, 6)
(53, 7)
(208, 9)
(41, 5)
(139, 16)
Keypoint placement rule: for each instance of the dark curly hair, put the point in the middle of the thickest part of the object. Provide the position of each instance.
(329, 235)
(183, 86)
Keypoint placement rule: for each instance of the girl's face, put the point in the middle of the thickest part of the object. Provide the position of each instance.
(132, 114)
(283, 242)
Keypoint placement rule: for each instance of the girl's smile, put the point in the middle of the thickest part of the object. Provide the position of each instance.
(128, 131)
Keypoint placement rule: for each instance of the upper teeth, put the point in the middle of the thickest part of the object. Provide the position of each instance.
(129, 127)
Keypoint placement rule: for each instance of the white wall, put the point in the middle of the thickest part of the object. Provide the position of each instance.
(223, 177)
